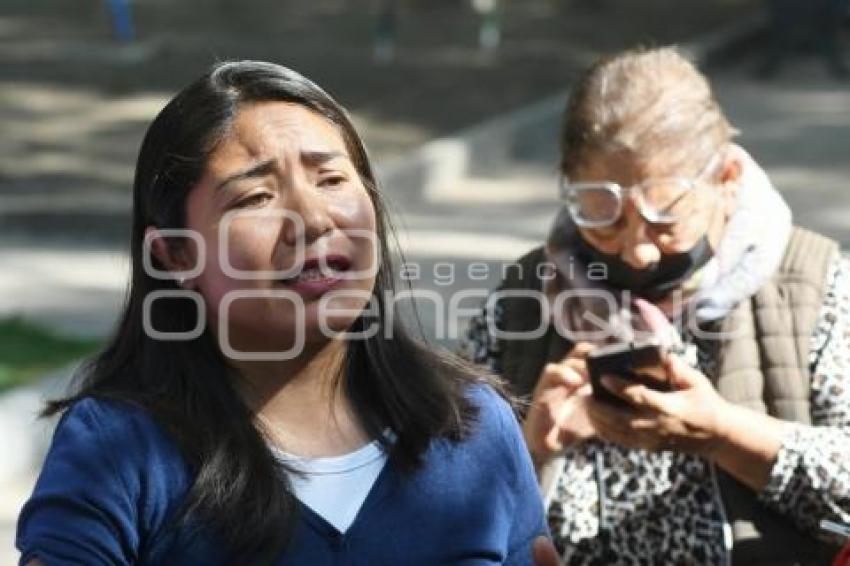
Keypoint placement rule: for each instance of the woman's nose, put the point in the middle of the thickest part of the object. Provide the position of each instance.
(638, 250)
(309, 214)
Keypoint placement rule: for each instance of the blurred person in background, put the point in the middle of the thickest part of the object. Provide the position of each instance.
(682, 230)
(241, 443)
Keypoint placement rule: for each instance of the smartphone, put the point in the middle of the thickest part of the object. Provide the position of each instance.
(625, 359)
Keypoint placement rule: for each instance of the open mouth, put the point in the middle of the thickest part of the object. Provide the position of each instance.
(320, 269)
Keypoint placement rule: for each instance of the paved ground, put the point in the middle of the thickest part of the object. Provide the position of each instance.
(798, 127)
(74, 103)
(438, 82)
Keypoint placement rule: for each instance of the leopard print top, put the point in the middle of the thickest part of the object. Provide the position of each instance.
(616, 505)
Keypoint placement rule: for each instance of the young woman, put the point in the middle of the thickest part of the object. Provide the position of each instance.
(259, 403)
(750, 452)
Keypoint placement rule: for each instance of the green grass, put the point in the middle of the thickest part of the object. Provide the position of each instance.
(27, 351)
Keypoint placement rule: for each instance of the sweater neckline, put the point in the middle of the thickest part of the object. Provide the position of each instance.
(341, 464)
(383, 485)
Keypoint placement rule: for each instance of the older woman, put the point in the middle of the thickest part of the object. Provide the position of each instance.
(670, 228)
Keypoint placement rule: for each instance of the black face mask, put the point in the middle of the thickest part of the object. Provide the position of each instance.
(656, 281)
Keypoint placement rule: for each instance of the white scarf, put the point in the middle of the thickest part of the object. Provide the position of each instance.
(752, 245)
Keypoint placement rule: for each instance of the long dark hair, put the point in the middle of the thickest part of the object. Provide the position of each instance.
(393, 378)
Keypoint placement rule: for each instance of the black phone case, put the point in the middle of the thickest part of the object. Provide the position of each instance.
(622, 360)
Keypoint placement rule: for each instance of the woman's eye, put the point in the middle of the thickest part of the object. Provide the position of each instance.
(332, 181)
(254, 200)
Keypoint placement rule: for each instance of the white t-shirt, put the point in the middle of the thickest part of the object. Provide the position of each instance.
(336, 487)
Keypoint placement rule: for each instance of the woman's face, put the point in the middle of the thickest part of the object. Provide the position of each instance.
(289, 225)
(640, 243)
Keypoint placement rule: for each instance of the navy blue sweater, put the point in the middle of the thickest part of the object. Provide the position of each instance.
(112, 479)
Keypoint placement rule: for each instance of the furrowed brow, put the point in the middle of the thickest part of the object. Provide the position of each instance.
(316, 158)
(260, 169)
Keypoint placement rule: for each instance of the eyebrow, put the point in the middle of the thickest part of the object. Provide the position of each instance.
(315, 158)
(260, 169)
(265, 167)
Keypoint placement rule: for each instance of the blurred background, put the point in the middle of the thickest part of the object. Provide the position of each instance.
(458, 101)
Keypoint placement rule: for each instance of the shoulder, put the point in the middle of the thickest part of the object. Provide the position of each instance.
(499, 451)
(490, 456)
(835, 292)
(128, 435)
(111, 478)
(116, 428)
(493, 407)
(832, 319)
(532, 257)
(100, 415)
(522, 272)
(839, 272)
(496, 429)
(808, 254)
(806, 275)
(101, 442)
(837, 283)
(104, 440)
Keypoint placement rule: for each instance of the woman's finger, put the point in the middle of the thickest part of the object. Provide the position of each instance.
(624, 426)
(637, 395)
(682, 376)
(561, 375)
(609, 418)
(580, 351)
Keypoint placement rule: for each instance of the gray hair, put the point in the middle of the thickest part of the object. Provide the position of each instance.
(644, 103)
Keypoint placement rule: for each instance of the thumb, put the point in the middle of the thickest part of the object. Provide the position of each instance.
(544, 553)
(654, 318)
(681, 374)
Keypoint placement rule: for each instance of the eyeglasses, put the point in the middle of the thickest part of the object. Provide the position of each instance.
(659, 201)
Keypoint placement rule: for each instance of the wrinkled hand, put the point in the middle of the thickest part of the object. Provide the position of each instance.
(558, 416)
(687, 419)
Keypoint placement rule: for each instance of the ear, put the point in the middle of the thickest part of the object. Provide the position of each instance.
(174, 255)
(730, 168)
(731, 171)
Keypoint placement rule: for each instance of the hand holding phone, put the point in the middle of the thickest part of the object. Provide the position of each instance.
(626, 360)
(557, 415)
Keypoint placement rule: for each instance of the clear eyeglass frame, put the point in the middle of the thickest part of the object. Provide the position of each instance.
(570, 193)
